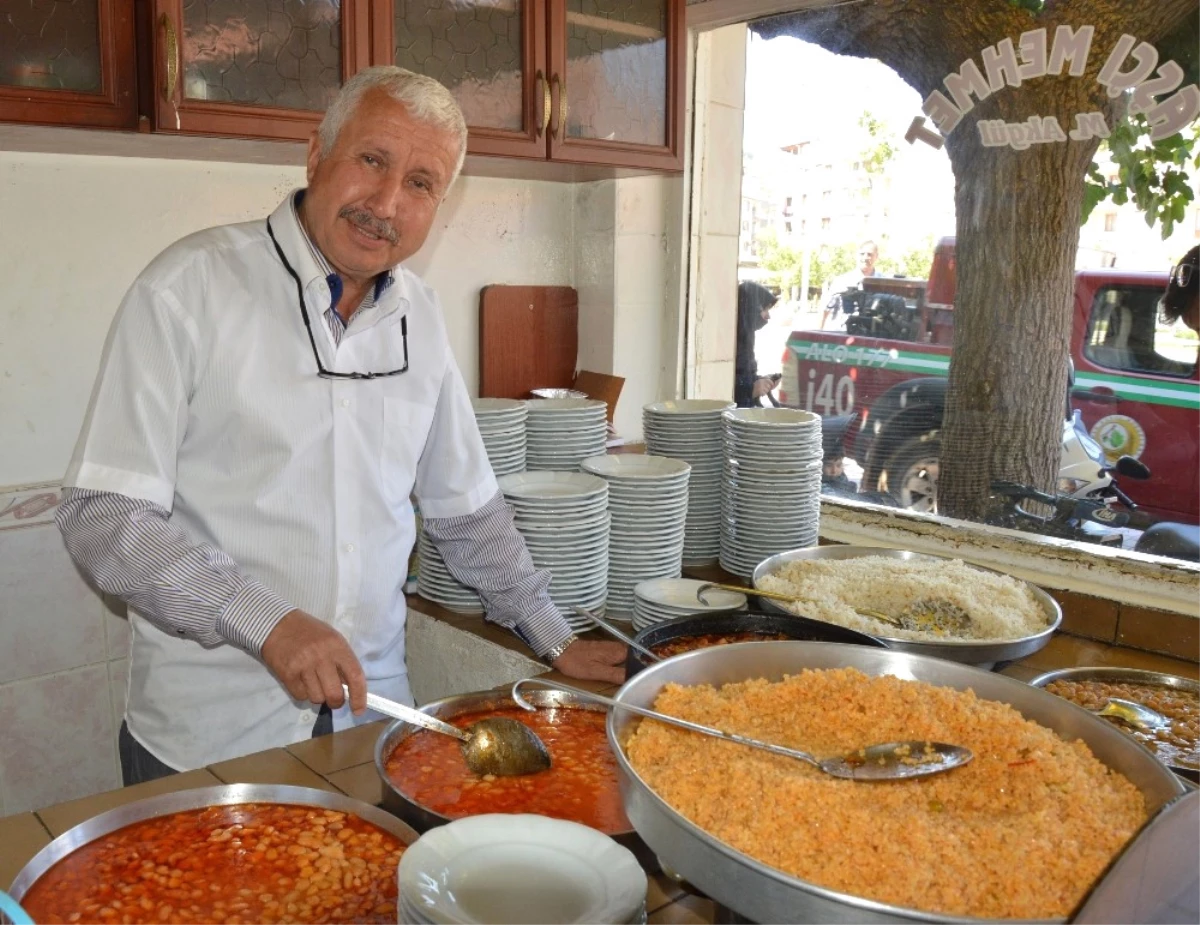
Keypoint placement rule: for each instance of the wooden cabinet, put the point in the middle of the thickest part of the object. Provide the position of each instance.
(258, 68)
(68, 62)
(572, 81)
(579, 81)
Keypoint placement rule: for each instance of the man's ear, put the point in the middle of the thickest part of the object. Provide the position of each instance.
(314, 154)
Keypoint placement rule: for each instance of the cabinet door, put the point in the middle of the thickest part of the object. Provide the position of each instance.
(491, 54)
(256, 68)
(68, 62)
(617, 72)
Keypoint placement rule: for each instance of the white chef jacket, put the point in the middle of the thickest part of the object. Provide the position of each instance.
(209, 404)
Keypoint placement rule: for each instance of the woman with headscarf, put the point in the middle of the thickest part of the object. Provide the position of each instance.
(754, 310)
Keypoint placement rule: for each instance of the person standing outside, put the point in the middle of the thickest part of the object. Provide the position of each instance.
(1182, 298)
(835, 310)
(271, 396)
(755, 302)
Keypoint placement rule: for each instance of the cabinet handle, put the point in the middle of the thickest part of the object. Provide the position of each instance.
(562, 111)
(172, 57)
(546, 104)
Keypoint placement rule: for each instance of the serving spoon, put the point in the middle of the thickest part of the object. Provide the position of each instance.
(617, 634)
(497, 745)
(1135, 714)
(887, 761)
(930, 615)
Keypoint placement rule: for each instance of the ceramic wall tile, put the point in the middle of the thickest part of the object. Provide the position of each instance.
(52, 619)
(59, 741)
(716, 309)
(642, 204)
(640, 262)
(721, 200)
(727, 66)
(28, 507)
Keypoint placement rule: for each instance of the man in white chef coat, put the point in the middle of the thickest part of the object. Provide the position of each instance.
(270, 397)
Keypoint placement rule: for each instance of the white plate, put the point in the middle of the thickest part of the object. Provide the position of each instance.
(552, 486)
(687, 406)
(681, 593)
(520, 868)
(633, 466)
(551, 405)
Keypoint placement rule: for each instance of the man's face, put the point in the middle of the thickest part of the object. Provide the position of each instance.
(866, 259)
(372, 199)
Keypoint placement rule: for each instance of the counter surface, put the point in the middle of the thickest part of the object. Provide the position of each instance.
(344, 762)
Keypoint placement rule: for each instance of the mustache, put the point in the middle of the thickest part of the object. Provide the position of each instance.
(368, 222)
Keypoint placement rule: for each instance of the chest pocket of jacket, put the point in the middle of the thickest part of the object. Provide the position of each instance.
(405, 429)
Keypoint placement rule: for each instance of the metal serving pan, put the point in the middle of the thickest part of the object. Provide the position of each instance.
(225, 795)
(763, 894)
(421, 817)
(741, 622)
(1128, 676)
(980, 654)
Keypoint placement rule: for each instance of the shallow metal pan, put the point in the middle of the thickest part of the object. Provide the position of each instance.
(225, 795)
(763, 894)
(1128, 676)
(970, 652)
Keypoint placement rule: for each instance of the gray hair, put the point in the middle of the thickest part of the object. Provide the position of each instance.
(426, 100)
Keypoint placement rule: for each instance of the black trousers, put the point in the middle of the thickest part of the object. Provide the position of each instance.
(139, 766)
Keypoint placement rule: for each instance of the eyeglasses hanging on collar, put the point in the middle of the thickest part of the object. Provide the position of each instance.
(321, 370)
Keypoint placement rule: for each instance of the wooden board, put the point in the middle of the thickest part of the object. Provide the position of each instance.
(597, 385)
(528, 339)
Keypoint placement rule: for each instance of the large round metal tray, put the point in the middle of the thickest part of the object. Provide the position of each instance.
(764, 894)
(225, 795)
(982, 654)
(1128, 676)
(422, 818)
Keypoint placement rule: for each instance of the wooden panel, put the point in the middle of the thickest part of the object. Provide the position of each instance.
(601, 387)
(528, 339)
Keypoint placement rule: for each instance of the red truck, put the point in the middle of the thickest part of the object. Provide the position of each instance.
(882, 381)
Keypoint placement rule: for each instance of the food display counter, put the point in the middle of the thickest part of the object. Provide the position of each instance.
(345, 762)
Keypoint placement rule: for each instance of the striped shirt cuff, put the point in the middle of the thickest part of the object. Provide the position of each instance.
(544, 629)
(250, 615)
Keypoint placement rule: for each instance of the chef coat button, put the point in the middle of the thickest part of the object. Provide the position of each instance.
(345, 403)
(349, 547)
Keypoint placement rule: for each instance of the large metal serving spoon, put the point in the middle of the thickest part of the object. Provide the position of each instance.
(497, 745)
(888, 761)
(617, 634)
(1135, 714)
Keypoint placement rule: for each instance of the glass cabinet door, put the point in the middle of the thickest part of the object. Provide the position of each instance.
(264, 68)
(68, 62)
(619, 62)
(490, 54)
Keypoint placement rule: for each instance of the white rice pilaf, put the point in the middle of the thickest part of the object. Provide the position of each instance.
(832, 590)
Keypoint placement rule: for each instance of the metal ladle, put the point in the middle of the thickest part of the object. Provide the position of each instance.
(1135, 714)
(888, 761)
(497, 745)
(929, 615)
(617, 634)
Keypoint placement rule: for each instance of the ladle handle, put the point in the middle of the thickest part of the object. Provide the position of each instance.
(617, 634)
(661, 717)
(408, 714)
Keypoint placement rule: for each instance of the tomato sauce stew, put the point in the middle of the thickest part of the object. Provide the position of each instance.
(581, 785)
(705, 640)
(246, 862)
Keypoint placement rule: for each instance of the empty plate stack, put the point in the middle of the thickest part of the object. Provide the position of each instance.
(502, 425)
(562, 432)
(435, 583)
(771, 497)
(648, 501)
(667, 598)
(692, 430)
(564, 519)
(499, 868)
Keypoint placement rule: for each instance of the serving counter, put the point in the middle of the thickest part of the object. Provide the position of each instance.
(344, 762)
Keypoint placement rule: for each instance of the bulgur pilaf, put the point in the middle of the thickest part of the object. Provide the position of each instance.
(1021, 831)
(999, 607)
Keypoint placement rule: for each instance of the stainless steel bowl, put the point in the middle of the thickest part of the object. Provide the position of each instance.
(422, 818)
(1127, 676)
(225, 795)
(764, 894)
(970, 652)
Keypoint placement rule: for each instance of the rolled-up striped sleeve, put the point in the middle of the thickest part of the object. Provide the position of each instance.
(484, 551)
(129, 548)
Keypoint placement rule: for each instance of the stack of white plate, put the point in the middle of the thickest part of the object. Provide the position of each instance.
(648, 501)
(519, 868)
(771, 496)
(435, 583)
(562, 432)
(502, 425)
(564, 519)
(667, 598)
(691, 430)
